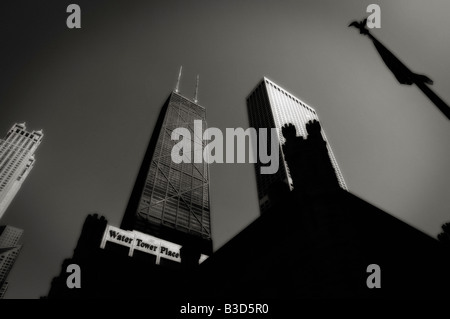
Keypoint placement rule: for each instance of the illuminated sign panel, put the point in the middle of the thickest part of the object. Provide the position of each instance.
(146, 243)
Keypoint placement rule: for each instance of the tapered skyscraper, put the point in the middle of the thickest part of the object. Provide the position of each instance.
(170, 200)
(270, 106)
(16, 161)
(9, 250)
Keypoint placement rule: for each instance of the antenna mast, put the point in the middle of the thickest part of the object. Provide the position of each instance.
(178, 82)
(196, 90)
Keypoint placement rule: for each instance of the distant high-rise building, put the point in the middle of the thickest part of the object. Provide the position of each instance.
(270, 106)
(170, 200)
(9, 250)
(16, 161)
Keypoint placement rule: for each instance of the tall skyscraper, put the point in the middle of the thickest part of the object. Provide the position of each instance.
(270, 106)
(9, 250)
(170, 200)
(165, 231)
(16, 161)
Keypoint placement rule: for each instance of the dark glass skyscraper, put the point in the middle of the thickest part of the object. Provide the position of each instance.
(170, 200)
(165, 231)
(10, 246)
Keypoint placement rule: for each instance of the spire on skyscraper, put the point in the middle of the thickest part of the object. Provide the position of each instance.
(196, 91)
(177, 88)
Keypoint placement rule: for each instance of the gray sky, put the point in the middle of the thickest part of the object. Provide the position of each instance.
(96, 93)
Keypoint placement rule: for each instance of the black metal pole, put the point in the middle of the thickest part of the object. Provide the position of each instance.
(403, 74)
(434, 98)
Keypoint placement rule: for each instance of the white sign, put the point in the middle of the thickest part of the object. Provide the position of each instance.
(146, 243)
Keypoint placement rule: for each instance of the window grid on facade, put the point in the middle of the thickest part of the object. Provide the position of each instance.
(270, 106)
(177, 195)
(10, 238)
(16, 161)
